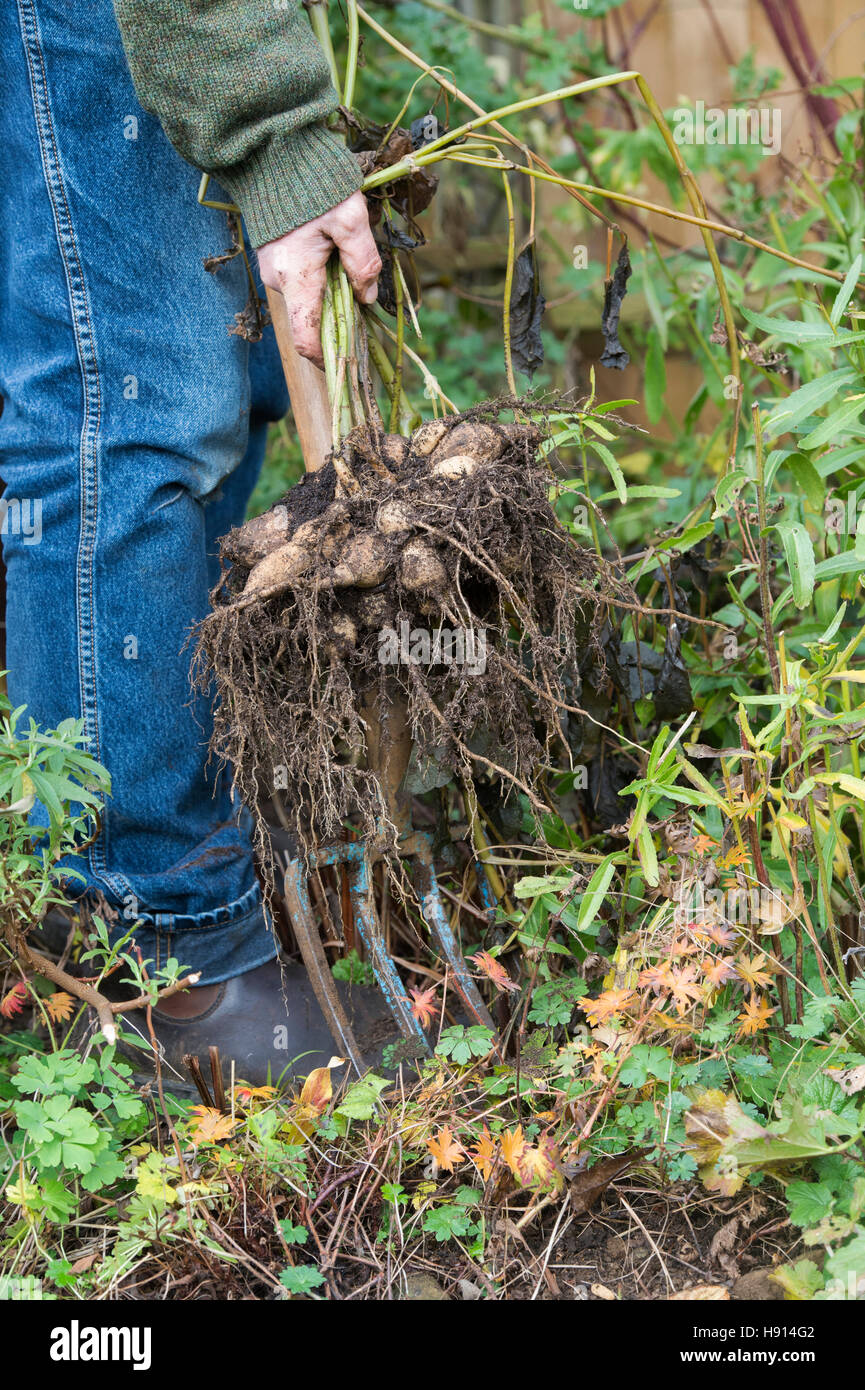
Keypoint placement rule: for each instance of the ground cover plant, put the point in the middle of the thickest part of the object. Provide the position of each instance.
(648, 809)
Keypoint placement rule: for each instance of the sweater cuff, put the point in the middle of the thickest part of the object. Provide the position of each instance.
(290, 180)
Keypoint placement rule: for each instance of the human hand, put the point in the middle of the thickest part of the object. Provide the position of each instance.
(295, 265)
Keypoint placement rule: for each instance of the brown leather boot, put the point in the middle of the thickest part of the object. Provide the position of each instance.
(267, 1022)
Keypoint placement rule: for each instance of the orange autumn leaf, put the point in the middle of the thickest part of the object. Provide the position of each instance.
(718, 972)
(755, 1017)
(541, 1164)
(513, 1147)
(683, 947)
(656, 977)
(424, 1007)
(317, 1089)
(59, 1006)
(209, 1126)
(489, 966)
(733, 857)
(607, 1005)
(753, 973)
(244, 1095)
(719, 934)
(13, 1002)
(445, 1149)
(484, 1154)
(703, 843)
(670, 1022)
(685, 989)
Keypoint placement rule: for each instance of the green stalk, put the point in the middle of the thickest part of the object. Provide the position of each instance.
(317, 11)
(344, 290)
(341, 419)
(509, 285)
(854, 762)
(592, 519)
(685, 309)
(825, 892)
(673, 214)
(408, 417)
(763, 542)
(352, 55)
(400, 337)
(695, 198)
(329, 348)
(513, 108)
(433, 390)
(576, 189)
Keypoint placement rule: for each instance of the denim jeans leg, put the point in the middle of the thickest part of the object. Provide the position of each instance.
(127, 417)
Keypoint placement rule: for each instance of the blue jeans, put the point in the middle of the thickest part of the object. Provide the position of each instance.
(134, 427)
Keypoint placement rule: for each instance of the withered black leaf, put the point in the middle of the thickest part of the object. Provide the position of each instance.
(672, 684)
(526, 311)
(424, 130)
(615, 289)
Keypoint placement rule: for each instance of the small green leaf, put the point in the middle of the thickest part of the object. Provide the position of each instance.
(804, 402)
(728, 490)
(361, 1098)
(809, 1202)
(845, 294)
(595, 891)
(301, 1278)
(799, 554)
(835, 424)
(293, 1235)
(689, 538)
(656, 377)
(808, 480)
(613, 468)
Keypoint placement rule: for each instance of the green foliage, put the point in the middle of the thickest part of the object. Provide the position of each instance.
(362, 1097)
(455, 1220)
(301, 1279)
(73, 1118)
(353, 970)
(51, 790)
(462, 1044)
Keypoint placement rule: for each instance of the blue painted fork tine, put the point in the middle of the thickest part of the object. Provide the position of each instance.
(355, 856)
(436, 919)
(368, 926)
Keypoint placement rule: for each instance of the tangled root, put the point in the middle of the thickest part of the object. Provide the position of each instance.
(333, 603)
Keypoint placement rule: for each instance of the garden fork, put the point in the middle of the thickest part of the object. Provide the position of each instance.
(388, 751)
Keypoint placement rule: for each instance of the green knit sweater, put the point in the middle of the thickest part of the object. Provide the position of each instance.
(242, 88)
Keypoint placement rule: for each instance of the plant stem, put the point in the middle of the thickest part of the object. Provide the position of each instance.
(489, 117)
(317, 11)
(763, 546)
(352, 54)
(432, 386)
(408, 416)
(400, 336)
(825, 892)
(570, 186)
(695, 198)
(509, 286)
